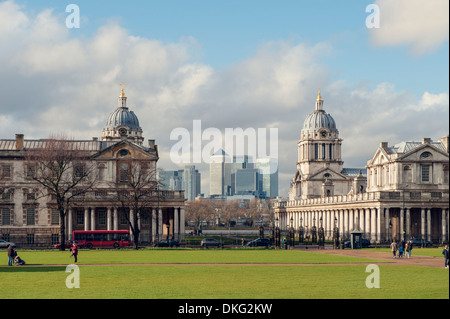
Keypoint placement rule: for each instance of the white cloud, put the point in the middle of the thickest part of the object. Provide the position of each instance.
(423, 25)
(62, 84)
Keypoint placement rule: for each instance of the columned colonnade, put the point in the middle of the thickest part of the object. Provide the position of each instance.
(162, 222)
(378, 223)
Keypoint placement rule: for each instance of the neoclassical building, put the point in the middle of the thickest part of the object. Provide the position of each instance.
(26, 218)
(402, 192)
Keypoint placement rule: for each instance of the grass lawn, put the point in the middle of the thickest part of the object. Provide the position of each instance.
(184, 256)
(184, 281)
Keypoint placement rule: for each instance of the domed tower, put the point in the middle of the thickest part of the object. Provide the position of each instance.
(319, 155)
(122, 124)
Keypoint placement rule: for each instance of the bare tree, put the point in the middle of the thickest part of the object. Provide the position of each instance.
(137, 191)
(63, 171)
(199, 211)
(229, 211)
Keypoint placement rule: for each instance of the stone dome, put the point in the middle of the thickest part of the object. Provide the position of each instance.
(122, 116)
(318, 120)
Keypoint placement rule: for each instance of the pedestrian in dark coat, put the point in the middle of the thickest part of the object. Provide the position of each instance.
(11, 255)
(445, 253)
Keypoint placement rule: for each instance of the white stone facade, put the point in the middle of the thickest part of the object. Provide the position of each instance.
(403, 191)
(29, 219)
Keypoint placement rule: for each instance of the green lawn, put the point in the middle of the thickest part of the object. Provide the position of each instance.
(183, 256)
(216, 281)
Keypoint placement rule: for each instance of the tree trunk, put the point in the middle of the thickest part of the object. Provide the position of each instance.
(62, 232)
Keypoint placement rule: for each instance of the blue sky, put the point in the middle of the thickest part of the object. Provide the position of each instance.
(231, 64)
(230, 31)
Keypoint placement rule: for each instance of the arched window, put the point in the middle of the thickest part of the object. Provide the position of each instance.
(426, 155)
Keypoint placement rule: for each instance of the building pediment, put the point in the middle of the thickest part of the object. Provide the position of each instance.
(126, 149)
(327, 173)
(425, 152)
(380, 157)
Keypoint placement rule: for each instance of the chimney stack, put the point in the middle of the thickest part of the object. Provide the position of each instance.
(426, 140)
(151, 143)
(19, 142)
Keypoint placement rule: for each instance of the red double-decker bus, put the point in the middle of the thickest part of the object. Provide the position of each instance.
(102, 238)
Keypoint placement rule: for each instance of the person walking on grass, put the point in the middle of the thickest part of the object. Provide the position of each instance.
(74, 251)
(445, 253)
(10, 255)
(394, 248)
(408, 250)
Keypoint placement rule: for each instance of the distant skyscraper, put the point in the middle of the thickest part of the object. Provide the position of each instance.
(219, 174)
(242, 177)
(188, 180)
(191, 182)
(268, 170)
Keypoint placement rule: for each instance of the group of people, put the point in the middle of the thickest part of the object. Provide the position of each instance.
(404, 249)
(13, 258)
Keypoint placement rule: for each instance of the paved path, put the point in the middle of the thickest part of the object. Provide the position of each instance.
(415, 260)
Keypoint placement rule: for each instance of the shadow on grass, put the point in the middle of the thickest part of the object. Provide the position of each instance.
(34, 268)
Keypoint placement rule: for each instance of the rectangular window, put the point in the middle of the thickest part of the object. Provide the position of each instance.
(30, 216)
(79, 171)
(6, 195)
(316, 151)
(80, 217)
(425, 173)
(123, 218)
(6, 217)
(55, 217)
(30, 239)
(55, 239)
(101, 217)
(6, 171)
(31, 171)
(323, 150)
(123, 172)
(331, 151)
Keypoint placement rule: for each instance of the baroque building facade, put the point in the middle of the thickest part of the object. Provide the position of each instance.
(403, 191)
(29, 219)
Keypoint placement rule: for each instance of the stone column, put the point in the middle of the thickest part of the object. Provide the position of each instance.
(444, 226)
(69, 224)
(176, 229)
(154, 225)
(182, 222)
(92, 218)
(373, 225)
(402, 223)
(108, 219)
(160, 224)
(422, 220)
(367, 227)
(387, 221)
(86, 218)
(378, 212)
(408, 223)
(429, 224)
(116, 219)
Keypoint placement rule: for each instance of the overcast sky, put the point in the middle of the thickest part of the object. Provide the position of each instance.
(249, 64)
